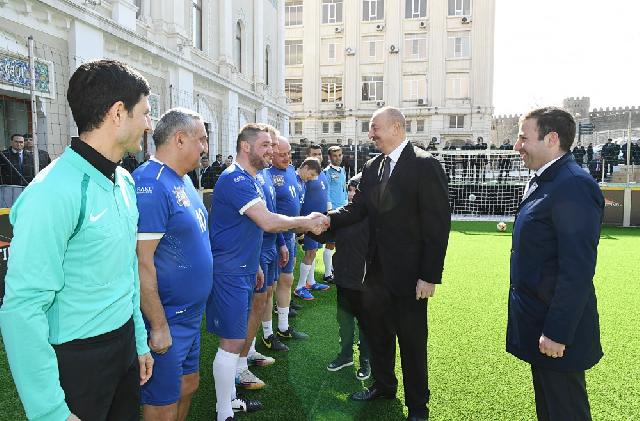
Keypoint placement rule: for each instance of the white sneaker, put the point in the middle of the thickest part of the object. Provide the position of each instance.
(260, 360)
(248, 380)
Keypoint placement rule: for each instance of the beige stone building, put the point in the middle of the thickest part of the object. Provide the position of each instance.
(223, 58)
(346, 58)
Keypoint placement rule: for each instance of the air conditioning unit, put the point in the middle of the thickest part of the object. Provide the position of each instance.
(338, 29)
(380, 27)
(422, 102)
(380, 103)
(423, 24)
(349, 51)
(339, 105)
(393, 49)
(466, 19)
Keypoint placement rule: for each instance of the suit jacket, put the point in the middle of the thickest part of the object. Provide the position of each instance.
(409, 225)
(11, 174)
(553, 260)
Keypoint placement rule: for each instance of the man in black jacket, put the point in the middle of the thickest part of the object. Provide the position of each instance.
(16, 164)
(404, 194)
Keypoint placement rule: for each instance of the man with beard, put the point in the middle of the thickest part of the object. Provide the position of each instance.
(337, 181)
(71, 320)
(174, 256)
(239, 216)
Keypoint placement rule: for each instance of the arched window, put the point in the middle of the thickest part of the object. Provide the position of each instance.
(237, 50)
(266, 65)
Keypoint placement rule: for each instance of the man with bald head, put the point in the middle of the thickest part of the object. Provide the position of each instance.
(403, 192)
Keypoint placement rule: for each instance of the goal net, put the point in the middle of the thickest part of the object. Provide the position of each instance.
(484, 184)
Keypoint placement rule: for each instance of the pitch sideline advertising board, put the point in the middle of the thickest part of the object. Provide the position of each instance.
(614, 205)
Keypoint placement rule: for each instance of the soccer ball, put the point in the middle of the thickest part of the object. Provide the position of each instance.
(472, 197)
(502, 227)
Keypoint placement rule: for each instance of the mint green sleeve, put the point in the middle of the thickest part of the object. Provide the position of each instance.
(142, 345)
(42, 224)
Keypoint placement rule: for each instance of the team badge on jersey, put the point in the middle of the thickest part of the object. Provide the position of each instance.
(181, 196)
(278, 180)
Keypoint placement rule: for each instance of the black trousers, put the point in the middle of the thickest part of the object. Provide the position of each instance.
(100, 375)
(385, 317)
(560, 396)
(349, 310)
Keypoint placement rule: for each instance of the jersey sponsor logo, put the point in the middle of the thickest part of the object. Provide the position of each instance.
(181, 196)
(239, 178)
(97, 216)
(278, 180)
(144, 190)
(202, 221)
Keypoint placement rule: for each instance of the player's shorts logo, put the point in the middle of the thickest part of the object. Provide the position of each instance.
(181, 196)
(278, 180)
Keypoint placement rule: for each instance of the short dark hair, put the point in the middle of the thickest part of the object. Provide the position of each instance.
(16, 135)
(553, 119)
(313, 146)
(313, 164)
(27, 136)
(249, 133)
(96, 85)
(334, 148)
(219, 155)
(355, 180)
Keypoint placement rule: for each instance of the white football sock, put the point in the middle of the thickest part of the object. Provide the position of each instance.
(311, 277)
(283, 318)
(224, 371)
(267, 328)
(252, 348)
(328, 265)
(242, 365)
(304, 274)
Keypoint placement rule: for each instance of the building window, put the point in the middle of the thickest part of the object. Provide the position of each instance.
(237, 48)
(139, 11)
(331, 89)
(331, 11)
(415, 46)
(293, 13)
(407, 126)
(457, 86)
(372, 89)
(266, 65)
(456, 121)
(459, 7)
(331, 53)
(458, 45)
(337, 127)
(196, 16)
(295, 127)
(365, 127)
(415, 9)
(415, 87)
(293, 90)
(372, 10)
(325, 127)
(419, 126)
(372, 48)
(292, 52)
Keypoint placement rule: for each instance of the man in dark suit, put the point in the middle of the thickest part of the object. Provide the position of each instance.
(553, 317)
(16, 164)
(404, 194)
(43, 156)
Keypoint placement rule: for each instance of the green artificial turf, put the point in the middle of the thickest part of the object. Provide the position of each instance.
(471, 376)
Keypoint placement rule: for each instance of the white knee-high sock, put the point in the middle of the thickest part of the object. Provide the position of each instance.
(267, 328)
(304, 274)
(252, 348)
(311, 277)
(327, 256)
(283, 318)
(224, 373)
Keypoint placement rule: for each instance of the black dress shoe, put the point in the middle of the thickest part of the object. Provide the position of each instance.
(372, 393)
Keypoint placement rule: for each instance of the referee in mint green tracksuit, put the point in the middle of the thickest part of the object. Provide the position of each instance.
(71, 320)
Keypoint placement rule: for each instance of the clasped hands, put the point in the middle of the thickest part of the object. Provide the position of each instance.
(316, 223)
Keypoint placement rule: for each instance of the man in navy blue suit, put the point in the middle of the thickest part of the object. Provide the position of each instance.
(553, 317)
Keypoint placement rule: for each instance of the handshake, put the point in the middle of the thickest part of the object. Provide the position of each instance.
(315, 222)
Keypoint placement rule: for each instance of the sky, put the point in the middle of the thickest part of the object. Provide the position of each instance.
(547, 50)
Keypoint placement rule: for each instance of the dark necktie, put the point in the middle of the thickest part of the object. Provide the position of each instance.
(532, 183)
(385, 173)
(20, 163)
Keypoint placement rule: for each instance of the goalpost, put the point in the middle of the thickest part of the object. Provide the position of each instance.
(484, 184)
